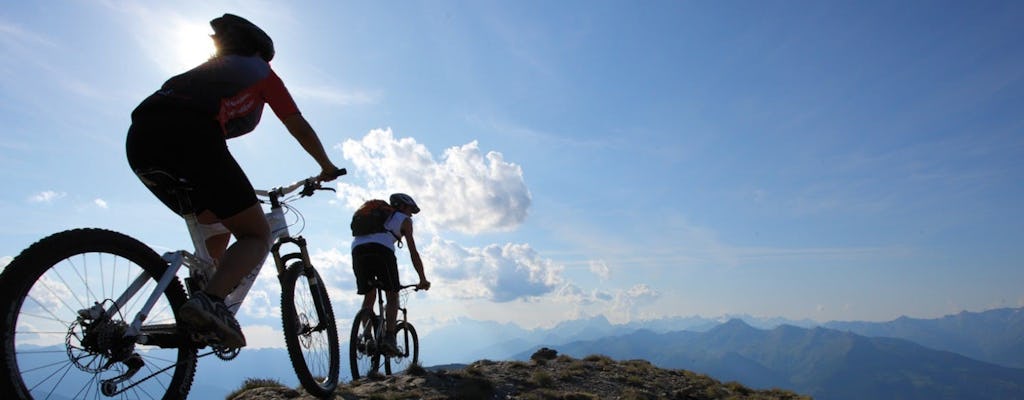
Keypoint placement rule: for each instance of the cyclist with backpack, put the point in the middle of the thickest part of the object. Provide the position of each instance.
(377, 227)
(194, 114)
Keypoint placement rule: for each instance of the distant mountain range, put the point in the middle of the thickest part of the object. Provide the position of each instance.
(821, 362)
(995, 336)
(970, 355)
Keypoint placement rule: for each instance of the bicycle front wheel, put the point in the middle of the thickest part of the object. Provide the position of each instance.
(63, 336)
(408, 348)
(310, 331)
(363, 355)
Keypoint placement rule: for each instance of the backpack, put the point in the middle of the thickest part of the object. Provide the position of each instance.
(370, 217)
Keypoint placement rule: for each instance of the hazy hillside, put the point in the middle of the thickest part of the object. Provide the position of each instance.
(824, 363)
(995, 336)
(466, 340)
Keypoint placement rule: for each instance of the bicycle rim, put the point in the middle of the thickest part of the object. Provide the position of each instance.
(50, 352)
(408, 347)
(363, 355)
(312, 339)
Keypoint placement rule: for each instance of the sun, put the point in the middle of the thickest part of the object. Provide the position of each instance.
(192, 44)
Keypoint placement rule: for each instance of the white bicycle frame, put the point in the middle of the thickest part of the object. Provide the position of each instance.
(200, 265)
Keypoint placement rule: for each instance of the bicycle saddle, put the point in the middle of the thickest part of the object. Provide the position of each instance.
(163, 179)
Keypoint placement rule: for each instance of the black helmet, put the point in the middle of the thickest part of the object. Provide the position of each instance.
(402, 199)
(236, 35)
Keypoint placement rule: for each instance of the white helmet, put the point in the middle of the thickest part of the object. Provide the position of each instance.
(402, 199)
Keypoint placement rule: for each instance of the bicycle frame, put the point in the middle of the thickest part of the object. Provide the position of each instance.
(381, 322)
(201, 266)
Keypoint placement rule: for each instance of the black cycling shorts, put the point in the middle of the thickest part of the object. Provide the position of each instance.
(191, 147)
(373, 260)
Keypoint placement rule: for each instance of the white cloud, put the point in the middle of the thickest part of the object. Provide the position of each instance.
(618, 305)
(47, 196)
(496, 273)
(600, 268)
(336, 97)
(263, 336)
(467, 191)
(259, 304)
(101, 203)
(626, 302)
(641, 292)
(334, 266)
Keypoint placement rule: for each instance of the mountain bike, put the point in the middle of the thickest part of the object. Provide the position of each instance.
(366, 341)
(90, 313)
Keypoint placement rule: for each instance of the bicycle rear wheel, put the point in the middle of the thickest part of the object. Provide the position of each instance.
(53, 348)
(310, 331)
(408, 347)
(363, 354)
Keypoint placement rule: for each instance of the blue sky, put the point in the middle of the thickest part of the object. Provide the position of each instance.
(800, 159)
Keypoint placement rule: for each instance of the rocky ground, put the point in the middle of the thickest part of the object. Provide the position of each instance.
(546, 376)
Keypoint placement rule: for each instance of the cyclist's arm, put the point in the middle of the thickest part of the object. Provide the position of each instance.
(306, 136)
(417, 263)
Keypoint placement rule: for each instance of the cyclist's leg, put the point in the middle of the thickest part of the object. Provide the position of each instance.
(389, 277)
(252, 243)
(370, 262)
(392, 311)
(222, 189)
(206, 310)
(216, 244)
(391, 286)
(362, 263)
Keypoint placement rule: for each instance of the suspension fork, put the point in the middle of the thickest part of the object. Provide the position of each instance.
(281, 261)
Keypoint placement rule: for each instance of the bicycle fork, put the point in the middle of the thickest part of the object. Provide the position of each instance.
(313, 279)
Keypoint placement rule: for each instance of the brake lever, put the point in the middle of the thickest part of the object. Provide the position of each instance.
(309, 188)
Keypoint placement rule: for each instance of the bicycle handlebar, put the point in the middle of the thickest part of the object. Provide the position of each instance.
(308, 185)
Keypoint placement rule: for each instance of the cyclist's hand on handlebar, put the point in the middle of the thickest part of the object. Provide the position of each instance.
(423, 285)
(330, 173)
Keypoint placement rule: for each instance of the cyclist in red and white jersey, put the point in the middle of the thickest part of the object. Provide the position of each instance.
(194, 114)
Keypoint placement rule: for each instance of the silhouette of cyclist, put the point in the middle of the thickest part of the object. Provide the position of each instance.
(373, 255)
(183, 128)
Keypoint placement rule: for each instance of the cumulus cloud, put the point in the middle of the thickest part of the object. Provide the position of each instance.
(467, 191)
(263, 336)
(600, 268)
(497, 273)
(47, 196)
(101, 203)
(334, 266)
(259, 304)
(575, 295)
(618, 304)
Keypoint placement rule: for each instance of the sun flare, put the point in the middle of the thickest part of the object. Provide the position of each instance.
(192, 44)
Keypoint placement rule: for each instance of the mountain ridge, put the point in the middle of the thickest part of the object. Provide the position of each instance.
(821, 362)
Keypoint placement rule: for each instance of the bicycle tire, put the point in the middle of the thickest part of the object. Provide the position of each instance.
(364, 357)
(408, 345)
(39, 306)
(314, 352)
